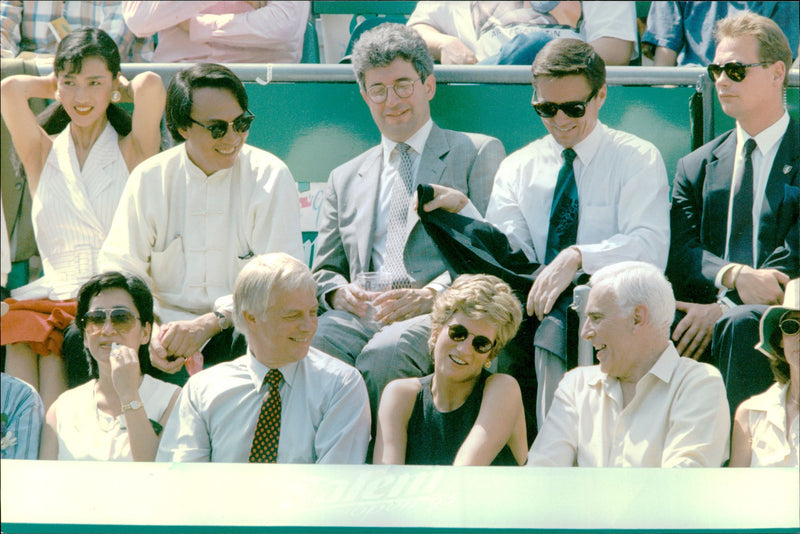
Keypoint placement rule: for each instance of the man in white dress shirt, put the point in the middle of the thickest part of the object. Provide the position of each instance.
(324, 413)
(644, 405)
(191, 217)
(620, 197)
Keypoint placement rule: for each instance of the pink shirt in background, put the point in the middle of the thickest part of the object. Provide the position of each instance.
(221, 32)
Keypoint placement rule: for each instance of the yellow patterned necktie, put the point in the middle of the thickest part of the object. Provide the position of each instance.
(268, 427)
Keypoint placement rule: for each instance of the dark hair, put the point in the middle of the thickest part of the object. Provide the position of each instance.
(380, 46)
(777, 356)
(180, 93)
(570, 57)
(72, 51)
(142, 299)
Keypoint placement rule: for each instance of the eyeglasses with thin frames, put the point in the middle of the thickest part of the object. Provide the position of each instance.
(575, 109)
(122, 320)
(402, 88)
(219, 127)
(459, 333)
(734, 70)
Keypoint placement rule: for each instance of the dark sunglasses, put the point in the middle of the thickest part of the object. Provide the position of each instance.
(459, 333)
(790, 327)
(122, 320)
(575, 109)
(219, 128)
(734, 70)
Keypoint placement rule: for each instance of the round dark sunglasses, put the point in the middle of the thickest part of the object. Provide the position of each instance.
(790, 327)
(575, 110)
(122, 320)
(734, 70)
(219, 128)
(459, 333)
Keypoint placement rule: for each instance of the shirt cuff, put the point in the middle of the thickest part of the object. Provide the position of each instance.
(720, 276)
(436, 287)
(224, 304)
(471, 211)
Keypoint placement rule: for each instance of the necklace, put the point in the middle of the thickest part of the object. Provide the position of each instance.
(106, 422)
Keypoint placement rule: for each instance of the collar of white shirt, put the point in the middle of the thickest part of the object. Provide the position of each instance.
(587, 148)
(662, 369)
(196, 172)
(416, 141)
(773, 402)
(767, 138)
(258, 371)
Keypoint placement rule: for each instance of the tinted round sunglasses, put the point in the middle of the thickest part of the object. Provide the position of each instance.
(219, 128)
(459, 333)
(790, 327)
(575, 109)
(734, 70)
(122, 320)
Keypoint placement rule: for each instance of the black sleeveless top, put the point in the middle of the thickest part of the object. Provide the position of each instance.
(435, 437)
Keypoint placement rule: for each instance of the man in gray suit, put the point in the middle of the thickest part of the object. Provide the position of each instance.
(368, 221)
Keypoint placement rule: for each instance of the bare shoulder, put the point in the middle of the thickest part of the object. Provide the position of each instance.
(502, 381)
(403, 388)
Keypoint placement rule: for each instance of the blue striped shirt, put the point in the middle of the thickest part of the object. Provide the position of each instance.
(22, 417)
(25, 27)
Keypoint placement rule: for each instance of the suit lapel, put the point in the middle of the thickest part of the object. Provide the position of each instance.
(716, 192)
(784, 168)
(430, 170)
(366, 204)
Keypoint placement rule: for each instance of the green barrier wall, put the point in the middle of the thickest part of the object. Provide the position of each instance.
(316, 126)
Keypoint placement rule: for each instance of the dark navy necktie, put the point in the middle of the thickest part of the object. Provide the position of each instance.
(740, 242)
(563, 231)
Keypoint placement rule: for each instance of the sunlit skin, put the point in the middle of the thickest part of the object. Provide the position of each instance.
(212, 155)
(284, 334)
(791, 346)
(755, 102)
(85, 95)
(399, 118)
(568, 131)
(100, 345)
(617, 336)
(459, 361)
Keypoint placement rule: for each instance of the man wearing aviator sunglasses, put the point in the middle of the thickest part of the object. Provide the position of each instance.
(734, 233)
(580, 198)
(192, 216)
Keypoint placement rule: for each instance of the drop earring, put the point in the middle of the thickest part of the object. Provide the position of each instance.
(115, 96)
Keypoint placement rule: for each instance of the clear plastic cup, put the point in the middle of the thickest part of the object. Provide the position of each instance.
(374, 283)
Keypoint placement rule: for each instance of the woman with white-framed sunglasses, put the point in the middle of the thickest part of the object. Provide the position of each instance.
(766, 428)
(119, 414)
(461, 414)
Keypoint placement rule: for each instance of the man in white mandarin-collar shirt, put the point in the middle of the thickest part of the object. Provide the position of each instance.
(323, 410)
(644, 405)
(191, 217)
